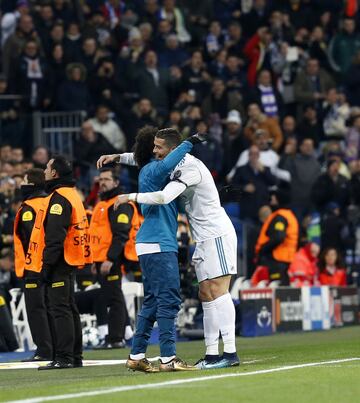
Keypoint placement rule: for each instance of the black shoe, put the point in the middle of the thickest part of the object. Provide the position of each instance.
(56, 365)
(108, 346)
(36, 358)
(78, 363)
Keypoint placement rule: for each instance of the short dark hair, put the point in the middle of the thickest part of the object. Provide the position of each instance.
(62, 166)
(144, 145)
(35, 176)
(171, 136)
(114, 172)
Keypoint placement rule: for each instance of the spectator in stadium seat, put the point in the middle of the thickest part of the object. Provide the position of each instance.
(344, 45)
(102, 123)
(331, 268)
(44, 21)
(15, 43)
(352, 80)
(310, 125)
(303, 270)
(173, 54)
(355, 181)
(234, 77)
(233, 140)
(220, 101)
(336, 111)
(353, 137)
(289, 127)
(331, 187)
(91, 144)
(258, 120)
(63, 11)
(89, 55)
(105, 87)
(9, 113)
(312, 84)
(255, 179)
(72, 42)
(174, 15)
(73, 94)
(266, 95)
(304, 170)
(195, 76)
(57, 35)
(30, 77)
(150, 13)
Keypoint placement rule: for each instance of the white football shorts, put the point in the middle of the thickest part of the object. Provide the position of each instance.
(216, 257)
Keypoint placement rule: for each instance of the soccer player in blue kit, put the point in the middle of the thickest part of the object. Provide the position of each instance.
(157, 248)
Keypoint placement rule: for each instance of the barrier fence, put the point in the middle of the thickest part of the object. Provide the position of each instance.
(269, 310)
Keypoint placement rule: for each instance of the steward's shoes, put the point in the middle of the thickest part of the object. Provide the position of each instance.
(142, 365)
(35, 358)
(109, 346)
(56, 365)
(176, 364)
(226, 361)
(78, 363)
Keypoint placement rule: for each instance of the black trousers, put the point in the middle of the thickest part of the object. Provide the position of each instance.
(112, 297)
(65, 315)
(8, 340)
(40, 321)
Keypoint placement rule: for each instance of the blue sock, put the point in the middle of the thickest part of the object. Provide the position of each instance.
(230, 356)
(211, 358)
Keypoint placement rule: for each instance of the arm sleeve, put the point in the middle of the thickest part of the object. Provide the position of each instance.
(57, 223)
(127, 159)
(165, 166)
(171, 191)
(120, 224)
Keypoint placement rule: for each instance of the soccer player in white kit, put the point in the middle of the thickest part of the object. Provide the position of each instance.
(215, 256)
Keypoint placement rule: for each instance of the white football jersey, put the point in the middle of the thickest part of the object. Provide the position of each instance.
(200, 200)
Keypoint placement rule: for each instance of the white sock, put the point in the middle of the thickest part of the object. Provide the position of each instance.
(103, 331)
(226, 314)
(139, 356)
(129, 333)
(165, 360)
(211, 328)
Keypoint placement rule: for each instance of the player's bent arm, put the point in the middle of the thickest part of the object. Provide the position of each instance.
(165, 166)
(127, 159)
(171, 191)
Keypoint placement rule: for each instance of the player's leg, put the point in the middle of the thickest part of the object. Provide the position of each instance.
(166, 287)
(219, 287)
(210, 315)
(145, 322)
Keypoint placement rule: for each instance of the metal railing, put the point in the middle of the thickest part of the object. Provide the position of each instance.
(57, 130)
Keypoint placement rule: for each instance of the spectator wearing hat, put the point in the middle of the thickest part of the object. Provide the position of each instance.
(234, 142)
(331, 186)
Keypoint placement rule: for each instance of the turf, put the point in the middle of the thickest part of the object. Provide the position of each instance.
(329, 383)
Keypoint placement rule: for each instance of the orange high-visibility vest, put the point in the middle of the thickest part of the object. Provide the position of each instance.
(77, 251)
(32, 258)
(101, 235)
(284, 252)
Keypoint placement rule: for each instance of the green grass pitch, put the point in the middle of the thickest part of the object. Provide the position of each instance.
(337, 382)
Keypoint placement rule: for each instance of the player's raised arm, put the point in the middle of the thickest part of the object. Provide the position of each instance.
(124, 158)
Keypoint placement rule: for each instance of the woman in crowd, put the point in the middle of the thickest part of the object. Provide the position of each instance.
(331, 269)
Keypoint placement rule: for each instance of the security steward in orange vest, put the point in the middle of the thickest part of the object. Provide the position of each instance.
(66, 248)
(279, 236)
(113, 243)
(26, 267)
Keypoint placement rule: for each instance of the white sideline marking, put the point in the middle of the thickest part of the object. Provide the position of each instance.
(175, 382)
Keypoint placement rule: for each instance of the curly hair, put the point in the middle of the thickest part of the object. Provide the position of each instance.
(144, 145)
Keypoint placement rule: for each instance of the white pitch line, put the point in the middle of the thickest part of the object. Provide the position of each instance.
(175, 382)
